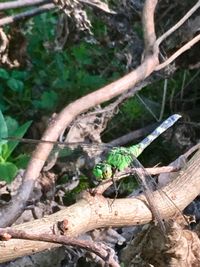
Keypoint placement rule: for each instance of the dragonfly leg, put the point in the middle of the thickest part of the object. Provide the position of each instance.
(116, 188)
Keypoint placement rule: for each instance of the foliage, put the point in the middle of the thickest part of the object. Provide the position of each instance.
(9, 164)
(54, 77)
(51, 79)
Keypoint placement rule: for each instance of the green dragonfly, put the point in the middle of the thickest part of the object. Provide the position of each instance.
(119, 158)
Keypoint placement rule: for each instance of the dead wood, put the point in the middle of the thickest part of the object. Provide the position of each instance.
(92, 212)
(180, 248)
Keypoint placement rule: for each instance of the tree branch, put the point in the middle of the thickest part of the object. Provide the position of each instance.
(178, 24)
(26, 14)
(101, 212)
(179, 52)
(43, 8)
(99, 249)
(21, 3)
(148, 25)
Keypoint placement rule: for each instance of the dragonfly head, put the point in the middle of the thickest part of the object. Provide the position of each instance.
(102, 171)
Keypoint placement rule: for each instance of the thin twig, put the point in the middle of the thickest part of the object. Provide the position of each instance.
(148, 107)
(152, 171)
(183, 84)
(4, 41)
(99, 5)
(21, 3)
(122, 140)
(26, 14)
(178, 24)
(163, 100)
(179, 52)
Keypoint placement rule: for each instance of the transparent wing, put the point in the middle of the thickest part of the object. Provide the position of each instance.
(60, 144)
(145, 181)
(148, 185)
(65, 148)
(67, 151)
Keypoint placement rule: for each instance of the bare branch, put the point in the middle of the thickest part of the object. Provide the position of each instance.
(178, 24)
(122, 140)
(148, 25)
(21, 3)
(179, 52)
(26, 14)
(43, 8)
(152, 171)
(98, 248)
(4, 41)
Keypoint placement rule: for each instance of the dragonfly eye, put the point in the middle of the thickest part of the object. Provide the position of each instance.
(107, 171)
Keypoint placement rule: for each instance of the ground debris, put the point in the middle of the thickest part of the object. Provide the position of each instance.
(176, 248)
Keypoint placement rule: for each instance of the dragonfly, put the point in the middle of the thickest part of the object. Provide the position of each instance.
(120, 158)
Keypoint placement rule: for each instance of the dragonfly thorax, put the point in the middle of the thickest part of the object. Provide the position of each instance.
(120, 158)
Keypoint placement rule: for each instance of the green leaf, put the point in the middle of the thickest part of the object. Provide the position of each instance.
(8, 171)
(48, 100)
(4, 150)
(15, 85)
(12, 125)
(18, 133)
(3, 127)
(22, 161)
(19, 75)
(4, 74)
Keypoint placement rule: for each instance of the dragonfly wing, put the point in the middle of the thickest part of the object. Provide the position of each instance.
(145, 181)
(65, 154)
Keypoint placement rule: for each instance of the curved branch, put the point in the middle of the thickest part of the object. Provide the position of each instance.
(16, 206)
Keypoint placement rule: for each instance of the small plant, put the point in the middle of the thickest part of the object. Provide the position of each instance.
(9, 165)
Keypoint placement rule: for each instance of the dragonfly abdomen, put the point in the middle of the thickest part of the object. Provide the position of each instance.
(138, 149)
